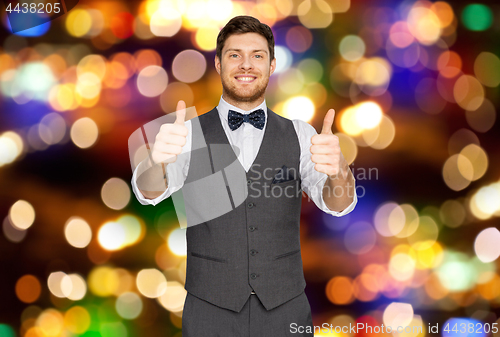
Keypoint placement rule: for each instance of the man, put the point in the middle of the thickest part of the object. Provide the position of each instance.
(244, 269)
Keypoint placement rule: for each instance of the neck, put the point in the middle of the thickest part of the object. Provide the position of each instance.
(246, 106)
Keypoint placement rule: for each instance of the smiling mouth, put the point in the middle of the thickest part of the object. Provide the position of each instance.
(245, 79)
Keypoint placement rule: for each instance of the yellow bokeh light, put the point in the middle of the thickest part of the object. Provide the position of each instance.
(115, 193)
(93, 63)
(77, 232)
(77, 320)
(165, 23)
(174, 297)
(206, 37)
(349, 123)
(426, 233)
(429, 257)
(151, 283)
(315, 14)
(134, 229)
(78, 22)
(16, 139)
(22, 214)
(299, 107)
(219, 10)
(368, 115)
(411, 221)
(476, 207)
(88, 85)
(73, 287)
(51, 322)
(398, 314)
(444, 12)
(454, 170)
(401, 267)
(478, 158)
(487, 199)
(8, 150)
(468, 92)
(152, 81)
(189, 66)
(375, 72)
(424, 24)
(103, 281)
(111, 236)
(62, 97)
(54, 283)
(84, 132)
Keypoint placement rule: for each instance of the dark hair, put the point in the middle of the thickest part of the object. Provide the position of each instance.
(245, 24)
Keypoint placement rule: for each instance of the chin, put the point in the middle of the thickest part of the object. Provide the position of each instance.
(246, 96)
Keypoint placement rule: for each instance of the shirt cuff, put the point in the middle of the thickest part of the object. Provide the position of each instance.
(346, 211)
(140, 197)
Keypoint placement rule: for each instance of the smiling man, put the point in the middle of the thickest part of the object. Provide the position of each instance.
(244, 272)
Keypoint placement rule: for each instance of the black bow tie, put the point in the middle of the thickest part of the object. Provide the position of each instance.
(257, 118)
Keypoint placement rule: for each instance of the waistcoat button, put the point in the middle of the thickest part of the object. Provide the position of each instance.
(253, 252)
(249, 181)
(252, 228)
(253, 276)
(251, 204)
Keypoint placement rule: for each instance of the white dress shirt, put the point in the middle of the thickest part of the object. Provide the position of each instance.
(248, 139)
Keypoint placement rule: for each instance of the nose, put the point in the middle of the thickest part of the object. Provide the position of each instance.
(246, 63)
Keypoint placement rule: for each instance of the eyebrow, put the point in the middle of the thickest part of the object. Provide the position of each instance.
(253, 51)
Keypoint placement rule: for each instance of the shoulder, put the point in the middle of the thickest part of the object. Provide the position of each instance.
(209, 114)
(303, 128)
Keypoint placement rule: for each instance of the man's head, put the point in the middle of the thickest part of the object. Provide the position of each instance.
(245, 60)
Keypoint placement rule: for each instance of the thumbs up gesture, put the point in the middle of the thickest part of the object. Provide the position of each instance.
(325, 149)
(171, 138)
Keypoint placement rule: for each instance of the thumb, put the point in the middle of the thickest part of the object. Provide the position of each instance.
(328, 122)
(180, 113)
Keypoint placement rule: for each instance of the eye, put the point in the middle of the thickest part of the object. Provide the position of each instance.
(259, 56)
(232, 55)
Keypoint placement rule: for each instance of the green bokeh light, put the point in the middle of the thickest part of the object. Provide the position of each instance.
(456, 273)
(477, 17)
(6, 331)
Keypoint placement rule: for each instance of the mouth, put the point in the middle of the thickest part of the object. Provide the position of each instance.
(245, 78)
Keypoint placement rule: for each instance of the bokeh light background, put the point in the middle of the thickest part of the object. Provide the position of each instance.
(416, 90)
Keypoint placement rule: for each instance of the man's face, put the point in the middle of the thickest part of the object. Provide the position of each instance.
(244, 68)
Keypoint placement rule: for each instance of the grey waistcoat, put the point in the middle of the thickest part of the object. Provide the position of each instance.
(256, 245)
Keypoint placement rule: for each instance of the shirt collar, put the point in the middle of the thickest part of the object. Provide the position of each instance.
(224, 107)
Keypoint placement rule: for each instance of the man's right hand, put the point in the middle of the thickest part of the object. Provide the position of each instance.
(151, 178)
(171, 138)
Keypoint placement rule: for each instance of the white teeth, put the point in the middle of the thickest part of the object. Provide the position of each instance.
(245, 78)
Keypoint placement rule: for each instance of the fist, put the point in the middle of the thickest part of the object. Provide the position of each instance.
(171, 138)
(325, 148)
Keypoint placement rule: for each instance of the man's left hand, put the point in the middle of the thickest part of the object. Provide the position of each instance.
(325, 149)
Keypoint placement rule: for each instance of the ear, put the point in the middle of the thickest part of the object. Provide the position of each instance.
(273, 66)
(217, 64)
